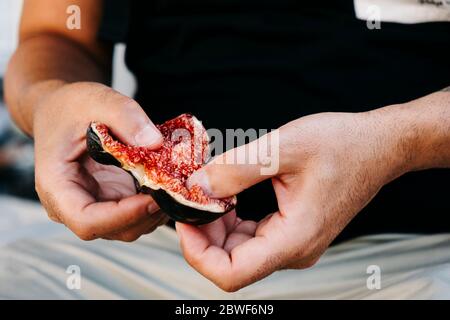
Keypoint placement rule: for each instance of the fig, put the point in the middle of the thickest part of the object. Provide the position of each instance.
(163, 172)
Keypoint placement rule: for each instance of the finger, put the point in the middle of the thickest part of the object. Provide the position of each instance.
(131, 236)
(154, 218)
(246, 227)
(248, 262)
(133, 233)
(234, 240)
(90, 219)
(242, 232)
(126, 119)
(54, 217)
(230, 220)
(239, 168)
(195, 245)
(217, 230)
(261, 225)
(164, 220)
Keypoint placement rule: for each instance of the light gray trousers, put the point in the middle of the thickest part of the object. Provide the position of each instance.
(40, 259)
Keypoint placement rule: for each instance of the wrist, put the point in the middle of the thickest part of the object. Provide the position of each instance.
(397, 140)
(429, 122)
(417, 133)
(32, 98)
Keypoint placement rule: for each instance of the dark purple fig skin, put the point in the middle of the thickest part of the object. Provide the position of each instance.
(95, 149)
(174, 209)
(180, 212)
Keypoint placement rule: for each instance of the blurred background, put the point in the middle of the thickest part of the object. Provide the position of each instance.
(16, 149)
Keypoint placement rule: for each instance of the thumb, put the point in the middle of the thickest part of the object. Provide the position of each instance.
(238, 169)
(129, 122)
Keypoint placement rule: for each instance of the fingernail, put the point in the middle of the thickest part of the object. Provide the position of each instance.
(152, 207)
(200, 178)
(148, 136)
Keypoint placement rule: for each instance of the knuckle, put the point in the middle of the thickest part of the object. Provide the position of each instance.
(42, 198)
(151, 229)
(39, 185)
(304, 255)
(309, 263)
(228, 286)
(227, 282)
(53, 216)
(84, 232)
(128, 104)
(128, 107)
(162, 222)
(128, 237)
(191, 259)
(85, 236)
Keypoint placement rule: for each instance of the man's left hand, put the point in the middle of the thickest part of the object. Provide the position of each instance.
(331, 165)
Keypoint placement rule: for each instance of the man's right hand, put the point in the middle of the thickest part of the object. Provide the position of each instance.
(92, 200)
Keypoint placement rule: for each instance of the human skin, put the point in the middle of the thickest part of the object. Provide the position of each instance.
(54, 87)
(331, 166)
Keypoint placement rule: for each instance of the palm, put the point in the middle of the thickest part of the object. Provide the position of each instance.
(228, 232)
(227, 250)
(106, 195)
(112, 183)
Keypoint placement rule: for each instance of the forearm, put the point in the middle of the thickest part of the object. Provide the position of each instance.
(40, 65)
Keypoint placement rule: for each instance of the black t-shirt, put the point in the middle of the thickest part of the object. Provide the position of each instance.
(262, 63)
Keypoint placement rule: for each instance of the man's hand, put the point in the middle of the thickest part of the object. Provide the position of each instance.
(91, 199)
(331, 166)
(53, 92)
